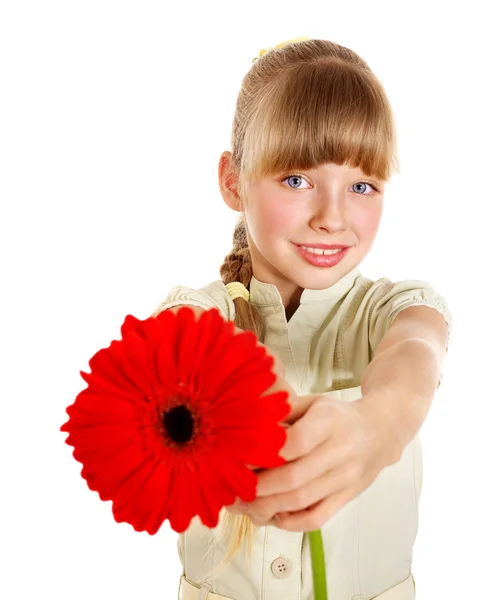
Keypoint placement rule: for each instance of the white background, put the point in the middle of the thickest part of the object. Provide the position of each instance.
(113, 116)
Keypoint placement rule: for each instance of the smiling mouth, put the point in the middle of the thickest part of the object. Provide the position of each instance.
(322, 249)
(322, 258)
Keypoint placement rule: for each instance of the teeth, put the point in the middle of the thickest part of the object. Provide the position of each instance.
(318, 251)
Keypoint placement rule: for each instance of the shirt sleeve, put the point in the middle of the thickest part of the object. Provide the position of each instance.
(213, 295)
(390, 299)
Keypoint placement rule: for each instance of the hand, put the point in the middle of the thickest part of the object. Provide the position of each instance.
(334, 450)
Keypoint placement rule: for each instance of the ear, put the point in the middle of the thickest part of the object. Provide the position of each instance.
(228, 182)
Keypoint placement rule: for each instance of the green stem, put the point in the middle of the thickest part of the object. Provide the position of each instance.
(318, 565)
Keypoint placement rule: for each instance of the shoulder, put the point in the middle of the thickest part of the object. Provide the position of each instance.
(381, 300)
(392, 296)
(213, 295)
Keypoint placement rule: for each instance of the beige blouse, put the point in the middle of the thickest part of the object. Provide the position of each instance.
(325, 347)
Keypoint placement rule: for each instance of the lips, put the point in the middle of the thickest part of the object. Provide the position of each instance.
(322, 260)
(323, 246)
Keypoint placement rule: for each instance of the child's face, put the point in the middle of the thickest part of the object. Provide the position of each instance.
(327, 205)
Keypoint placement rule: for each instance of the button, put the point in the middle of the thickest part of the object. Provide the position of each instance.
(281, 567)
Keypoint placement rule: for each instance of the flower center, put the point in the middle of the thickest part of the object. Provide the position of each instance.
(179, 424)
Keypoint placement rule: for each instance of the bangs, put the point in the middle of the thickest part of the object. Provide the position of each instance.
(313, 114)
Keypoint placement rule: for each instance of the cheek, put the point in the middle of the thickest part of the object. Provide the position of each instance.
(273, 218)
(367, 222)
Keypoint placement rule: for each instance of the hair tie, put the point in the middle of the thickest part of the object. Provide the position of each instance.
(281, 45)
(237, 290)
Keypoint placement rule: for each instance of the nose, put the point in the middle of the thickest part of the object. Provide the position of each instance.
(329, 211)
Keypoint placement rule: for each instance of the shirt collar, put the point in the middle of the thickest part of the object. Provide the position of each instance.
(267, 294)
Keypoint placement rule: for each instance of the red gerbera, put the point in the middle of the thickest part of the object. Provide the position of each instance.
(173, 416)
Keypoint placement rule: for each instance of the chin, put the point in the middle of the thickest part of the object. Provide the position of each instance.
(315, 281)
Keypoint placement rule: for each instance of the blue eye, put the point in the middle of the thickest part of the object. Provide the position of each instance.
(293, 177)
(365, 183)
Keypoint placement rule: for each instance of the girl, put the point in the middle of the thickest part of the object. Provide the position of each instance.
(313, 146)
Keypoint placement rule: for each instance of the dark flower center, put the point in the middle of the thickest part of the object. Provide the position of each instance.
(179, 424)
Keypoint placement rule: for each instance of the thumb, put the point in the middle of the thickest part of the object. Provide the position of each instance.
(299, 408)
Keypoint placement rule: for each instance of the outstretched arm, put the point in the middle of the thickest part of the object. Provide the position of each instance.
(336, 449)
(399, 383)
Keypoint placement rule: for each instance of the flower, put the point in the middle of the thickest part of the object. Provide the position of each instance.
(173, 416)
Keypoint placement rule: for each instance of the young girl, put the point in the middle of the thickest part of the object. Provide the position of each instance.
(313, 145)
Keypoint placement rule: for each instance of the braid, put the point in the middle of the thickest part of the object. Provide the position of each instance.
(237, 266)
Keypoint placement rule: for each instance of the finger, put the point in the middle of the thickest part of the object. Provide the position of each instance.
(332, 482)
(294, 475)
(300, 407)
(303, 403)
(308, 431)
(315, 516)
(237, 508)
(260, 518)
(260, 523)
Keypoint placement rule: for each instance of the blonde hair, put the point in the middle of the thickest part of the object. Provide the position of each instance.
(300, 105)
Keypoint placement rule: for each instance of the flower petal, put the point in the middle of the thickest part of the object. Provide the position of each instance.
(140, 498)
(166, 363)
(105, 475)
(92, 407)
(242, 480)
(228, 356)
(139, 365)
(210, 504)
(243, 392)
(197, 338)
(181, 511)
(107, 369)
